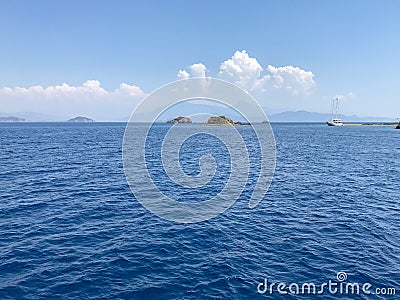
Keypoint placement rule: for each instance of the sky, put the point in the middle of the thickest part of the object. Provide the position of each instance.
(100, 58)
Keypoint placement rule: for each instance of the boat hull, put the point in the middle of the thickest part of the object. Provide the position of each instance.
(334, 124)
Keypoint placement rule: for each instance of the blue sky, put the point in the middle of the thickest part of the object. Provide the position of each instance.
(350, 47)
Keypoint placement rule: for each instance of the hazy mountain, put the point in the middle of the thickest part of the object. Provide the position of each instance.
(34, 116)
(306, 116)
(11, 119)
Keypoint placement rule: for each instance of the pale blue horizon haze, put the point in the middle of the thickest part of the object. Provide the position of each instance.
(99, 58)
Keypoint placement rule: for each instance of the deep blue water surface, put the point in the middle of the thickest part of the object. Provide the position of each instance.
(71, 228)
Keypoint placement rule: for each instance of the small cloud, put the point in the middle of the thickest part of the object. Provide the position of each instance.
(349, 95)
(182, 74)
(196, 70)
(130, 90)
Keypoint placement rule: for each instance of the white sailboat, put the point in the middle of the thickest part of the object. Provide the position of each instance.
(335, 121)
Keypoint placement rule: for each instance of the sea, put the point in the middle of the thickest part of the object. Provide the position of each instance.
(70, 227)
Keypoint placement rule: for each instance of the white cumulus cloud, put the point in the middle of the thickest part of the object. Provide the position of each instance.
(195, 70)
(90, 88)
(182, 74)
(129, 90)
(198, 70)
(90, 98)
(248, 73)
(93, 99)
(291, 78)
(244, 71)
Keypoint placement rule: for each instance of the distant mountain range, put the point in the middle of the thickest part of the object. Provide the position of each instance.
(38, 117)
(34, 116)
(189, 109)
(306, 116)
(11, 119)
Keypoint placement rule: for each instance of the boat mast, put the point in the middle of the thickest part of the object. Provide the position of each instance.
(337, 107)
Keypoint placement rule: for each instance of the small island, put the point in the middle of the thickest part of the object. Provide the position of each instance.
(12, 119)
(180, 120)
(81, 120)
(222, 121)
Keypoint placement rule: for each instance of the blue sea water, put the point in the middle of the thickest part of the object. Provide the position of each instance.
(71, 228)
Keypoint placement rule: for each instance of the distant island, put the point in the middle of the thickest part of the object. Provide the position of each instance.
(81, 120)
(222, 120)
(12, 119)
(180, 120)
